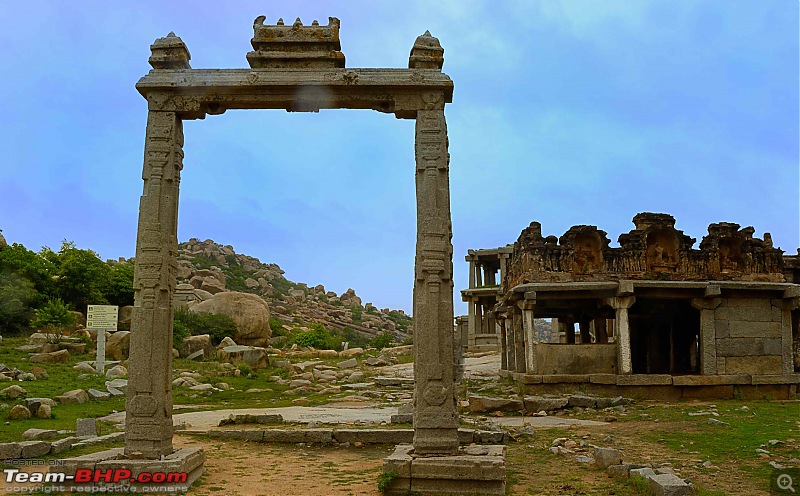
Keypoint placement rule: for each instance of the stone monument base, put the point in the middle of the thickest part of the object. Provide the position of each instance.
(112, 469)
(474, 470)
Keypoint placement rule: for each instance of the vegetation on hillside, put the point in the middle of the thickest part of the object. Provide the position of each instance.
(29, 281)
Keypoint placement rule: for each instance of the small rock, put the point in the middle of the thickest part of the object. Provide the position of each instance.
(347, 364)
(13, 392)
(116, 372)
(713, 421)
(44, 411)
(19, 412)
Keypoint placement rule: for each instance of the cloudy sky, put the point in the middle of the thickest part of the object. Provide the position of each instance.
(566, 112)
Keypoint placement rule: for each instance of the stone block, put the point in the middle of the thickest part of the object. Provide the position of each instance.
(40, 434)
(489, 437)
(475, 470)
(581, 401)
(669, 485)
(34, 449)
(466, 436)
(608, 379)
(722, 328)
(86, 427)
(374, 436)
(644, 380)
(620, 470)
(710, 380)
(748, 346)
(402, 418)
(755, 365)
(536, 404)
(776, 379)
(347, 364)
(524, 378)
(606, 457)
(323, 436)
(252, 435)
(62, 445)
(645, 472)
(10, 451)
(75, 396)
(394, 381)
(481, 404)
(565, 378)
(761, 313)
(740, 329)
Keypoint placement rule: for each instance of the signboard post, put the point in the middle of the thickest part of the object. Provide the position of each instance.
(101, 318)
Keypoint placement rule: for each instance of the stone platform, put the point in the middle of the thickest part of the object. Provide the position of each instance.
(477, 469)
(187, 460)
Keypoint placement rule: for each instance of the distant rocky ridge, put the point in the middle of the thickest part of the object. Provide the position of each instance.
(206, 268)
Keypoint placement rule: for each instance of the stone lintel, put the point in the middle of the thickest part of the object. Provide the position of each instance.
(197, 92)
(776, 379)
(706, 303)
(476, 469)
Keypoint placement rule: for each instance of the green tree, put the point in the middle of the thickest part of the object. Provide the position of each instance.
(382, 340)
(53, 317)
(16, 296)
(118, 289)
(81, 276)
(35, 268)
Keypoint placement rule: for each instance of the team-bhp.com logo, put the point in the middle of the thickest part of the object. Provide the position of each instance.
(93, 480)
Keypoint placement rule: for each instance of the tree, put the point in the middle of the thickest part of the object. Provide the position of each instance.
(53, 317)
(119, 287)
(16, 296)
(35, 268)
(81, 276)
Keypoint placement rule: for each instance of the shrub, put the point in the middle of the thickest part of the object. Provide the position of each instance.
(276, 326)
(318, 337)
(16, 296)
(187, 323)
(382, 340)
(53, 317)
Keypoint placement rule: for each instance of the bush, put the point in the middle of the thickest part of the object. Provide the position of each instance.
(382, 340)
(187, 323)
(276, 326)
(318, 337)
(16, 296)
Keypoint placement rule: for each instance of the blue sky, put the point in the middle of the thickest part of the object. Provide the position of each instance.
(566, 112)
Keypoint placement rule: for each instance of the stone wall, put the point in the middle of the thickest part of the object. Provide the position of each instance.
(576, 359)
(748, 337)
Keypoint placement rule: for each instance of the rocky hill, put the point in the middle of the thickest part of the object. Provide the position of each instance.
(206, 268)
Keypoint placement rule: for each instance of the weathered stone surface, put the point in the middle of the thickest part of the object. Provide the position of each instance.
(44, 411)
(61, 445)
(116, 372)
(303, 436)
(201, 342)
(582, 401)
(748, 346)
(118, 345)
(754, 365)
(18, 412)
(98, 395)
(254, 356)
(13, 392)
(605, 457)
(74, 396)
(669, 485)
(85, 368)
(645, 472)
(347, 364)
(40, 434)
(34, 449)
(373, 436)
(644, 380)
(60, 356)
(536, 404)
(10, 450)
(249, 312)
(86, 427)
(481, 404)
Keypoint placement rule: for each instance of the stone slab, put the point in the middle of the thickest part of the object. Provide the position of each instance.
(186, 460)
(565, 378)
(776, 379)
(710, 380)
(754, 365)
(477, 469)
(669, 485)
(603, 379)
(644, 380)
(526, 378)
(394, 381)
(374, 436)
(10, 451)
(34, 449)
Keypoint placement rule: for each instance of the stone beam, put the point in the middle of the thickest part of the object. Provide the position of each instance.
(193, 93)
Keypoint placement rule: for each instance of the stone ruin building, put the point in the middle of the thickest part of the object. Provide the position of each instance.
(653, 313)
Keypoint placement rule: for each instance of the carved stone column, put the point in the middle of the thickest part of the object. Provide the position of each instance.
(511, 355)
(435, 415)
(502, 321)
(519, 341)
(148, 409)
(708, 331)
(148, 421)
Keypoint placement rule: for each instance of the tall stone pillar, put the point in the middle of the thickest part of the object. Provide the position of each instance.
(519, 342)
(471, 322)
(148, 419)
(435, 415)
(584, 323)
(708, 333)
(502, 319)
(471, 274)
(531, 339)
(148, 409)
(570, 329)
(511, 356)
(600, 332)
(621, 304)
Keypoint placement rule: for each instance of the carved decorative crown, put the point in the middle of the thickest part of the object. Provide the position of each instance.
(295, 46)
